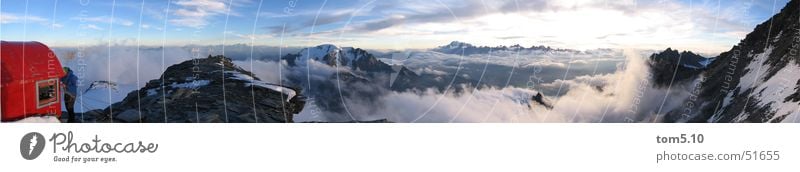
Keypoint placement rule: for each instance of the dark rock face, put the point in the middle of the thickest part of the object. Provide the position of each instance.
(368, 62)
(407, 80)
(212, 89)
(539, 99)
(684, 66)
(735, 84)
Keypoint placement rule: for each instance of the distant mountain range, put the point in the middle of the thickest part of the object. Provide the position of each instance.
(755, 81)
(361, 62)
(462, 48)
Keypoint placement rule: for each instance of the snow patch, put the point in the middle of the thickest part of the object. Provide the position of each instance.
(768, 91)
(319, 52)
(189, 85)
(341, 55)
(38, 119)
(707, 62)
(754, 70)
(775, 90)
(252, 82)
(151, 92)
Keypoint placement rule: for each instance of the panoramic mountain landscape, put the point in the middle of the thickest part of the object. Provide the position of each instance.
(381, 70)
(360, 85)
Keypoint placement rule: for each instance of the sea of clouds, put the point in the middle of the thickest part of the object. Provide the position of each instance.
(621, 95)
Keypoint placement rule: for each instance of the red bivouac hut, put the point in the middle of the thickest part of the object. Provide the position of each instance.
(30, 85)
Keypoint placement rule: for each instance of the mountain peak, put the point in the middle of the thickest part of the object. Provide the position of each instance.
(674, 66)
(355, 58)
(328, 47)
(457, 44)
(198, 84)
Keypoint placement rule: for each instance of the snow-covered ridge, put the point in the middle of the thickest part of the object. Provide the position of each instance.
(771, 91)
(355, 59)
(330, 54)
(319, 52)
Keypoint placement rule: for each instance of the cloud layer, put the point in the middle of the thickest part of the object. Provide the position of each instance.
(621, 96)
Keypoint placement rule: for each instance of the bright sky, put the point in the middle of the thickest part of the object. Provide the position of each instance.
(706, 26)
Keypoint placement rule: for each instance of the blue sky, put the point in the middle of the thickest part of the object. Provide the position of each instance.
(706, 26)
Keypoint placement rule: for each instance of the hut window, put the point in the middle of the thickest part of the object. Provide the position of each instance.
(47, 92)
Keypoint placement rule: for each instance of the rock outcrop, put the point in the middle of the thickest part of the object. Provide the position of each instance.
(539, 99)
(211, 89)
(673, 67)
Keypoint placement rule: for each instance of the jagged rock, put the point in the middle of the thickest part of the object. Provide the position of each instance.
(539, 99)
(755, 81)
(408, 80)
(673, 67)
(211, 89)
(363, 76)
(129, 115)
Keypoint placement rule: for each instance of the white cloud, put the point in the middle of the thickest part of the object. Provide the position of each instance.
(267, 71)
(486, 105)
(119, 64)
(91, 26)
(196, 13)
(249, 37)
(125, 62)
(105, 19)
(56, 25)
(8, 18)
(15, 18)
(430, 70)
(535, 58)
(623, 96)
(575, 24)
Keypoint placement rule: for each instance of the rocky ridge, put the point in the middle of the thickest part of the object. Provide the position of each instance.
(210, 89)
